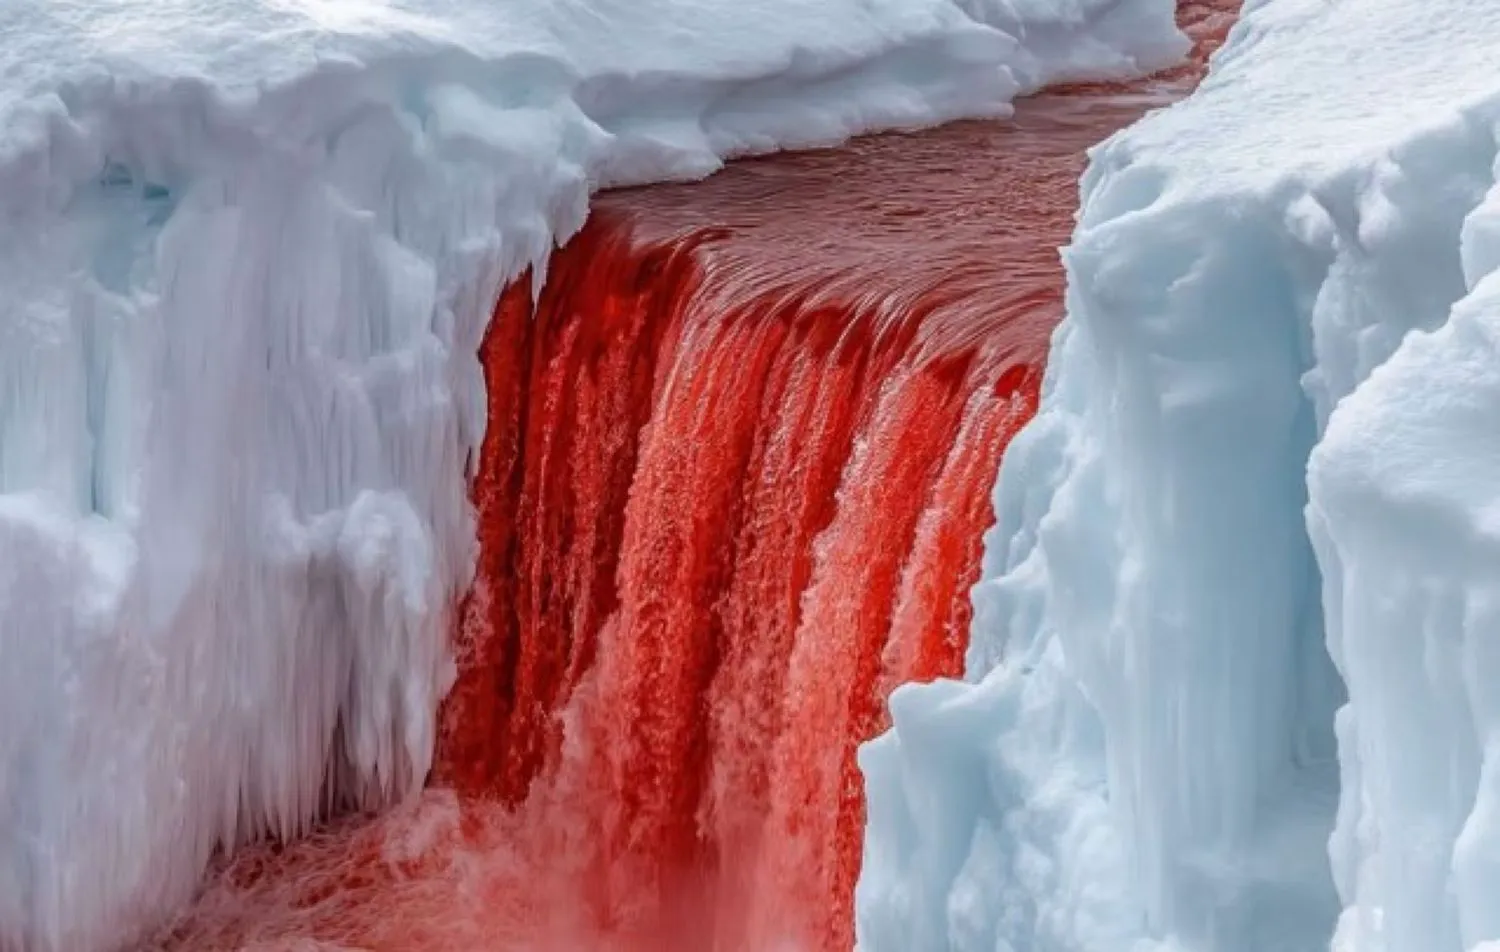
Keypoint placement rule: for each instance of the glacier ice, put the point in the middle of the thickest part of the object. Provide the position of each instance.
(1231, 684)
(246, 255)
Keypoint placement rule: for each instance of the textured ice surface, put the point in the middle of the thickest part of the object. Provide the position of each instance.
(246, 252)
(1270, 438)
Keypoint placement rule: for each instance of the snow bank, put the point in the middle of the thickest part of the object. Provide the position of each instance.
(1266, 468)
(246, 255)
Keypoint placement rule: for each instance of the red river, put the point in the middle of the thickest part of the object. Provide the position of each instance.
(733, 490)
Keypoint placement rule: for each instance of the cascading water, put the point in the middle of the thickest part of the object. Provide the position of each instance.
(733, 488)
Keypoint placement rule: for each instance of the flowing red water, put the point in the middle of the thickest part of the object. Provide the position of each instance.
(732, 491)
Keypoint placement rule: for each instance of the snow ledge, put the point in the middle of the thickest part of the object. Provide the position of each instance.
(1259, 492)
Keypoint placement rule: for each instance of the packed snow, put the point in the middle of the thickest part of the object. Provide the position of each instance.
(1233, 680)
(247, 252)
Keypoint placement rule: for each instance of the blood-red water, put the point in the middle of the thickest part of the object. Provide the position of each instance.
(733, 491)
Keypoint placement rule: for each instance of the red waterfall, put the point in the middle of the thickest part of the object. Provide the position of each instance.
(733, 490)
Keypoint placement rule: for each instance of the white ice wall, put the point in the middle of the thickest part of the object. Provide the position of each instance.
(1145, 755)
(247, 251)
(1404, 488)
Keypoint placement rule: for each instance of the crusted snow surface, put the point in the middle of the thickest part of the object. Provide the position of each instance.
(247, 250)
(1234, 684)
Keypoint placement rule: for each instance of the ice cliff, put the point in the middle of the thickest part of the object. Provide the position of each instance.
(1233, 679)
(246, 255)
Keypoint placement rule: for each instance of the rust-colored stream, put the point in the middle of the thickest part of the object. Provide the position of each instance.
(733, 490)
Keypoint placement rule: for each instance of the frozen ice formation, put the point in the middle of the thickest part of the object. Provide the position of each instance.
(1234, 684)
(247, 251)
